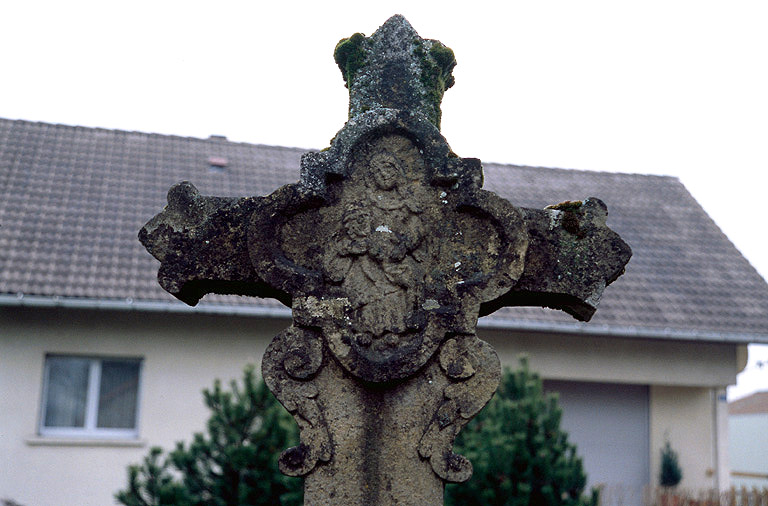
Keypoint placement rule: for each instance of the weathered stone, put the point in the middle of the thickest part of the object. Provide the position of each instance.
(387, 250)
(395, 69)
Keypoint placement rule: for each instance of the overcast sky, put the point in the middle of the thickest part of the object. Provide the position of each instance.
(668, 87)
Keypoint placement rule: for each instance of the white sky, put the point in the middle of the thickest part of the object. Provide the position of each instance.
(670, 87)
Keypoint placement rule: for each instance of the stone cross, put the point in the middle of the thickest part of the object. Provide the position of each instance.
(387, 250)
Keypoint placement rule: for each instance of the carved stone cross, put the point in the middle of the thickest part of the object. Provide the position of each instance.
(387, 250)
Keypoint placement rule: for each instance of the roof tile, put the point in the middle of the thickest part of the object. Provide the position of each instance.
(756, 403)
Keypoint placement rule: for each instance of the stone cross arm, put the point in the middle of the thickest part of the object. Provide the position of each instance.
(572, 256)
(202, 244)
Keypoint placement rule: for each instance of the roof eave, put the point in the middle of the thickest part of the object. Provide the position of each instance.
(578, 328)
(38, 301)
(575, 328)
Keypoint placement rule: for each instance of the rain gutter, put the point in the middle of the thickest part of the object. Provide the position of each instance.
(575, 328)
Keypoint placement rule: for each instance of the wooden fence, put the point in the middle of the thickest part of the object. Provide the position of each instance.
(734, 497)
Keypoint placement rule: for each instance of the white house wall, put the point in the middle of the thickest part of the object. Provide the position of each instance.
(749, 439)
(182, 356)
(691, 419)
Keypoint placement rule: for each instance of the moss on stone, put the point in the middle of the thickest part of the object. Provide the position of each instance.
(446, 61)
(436, 74)
(350, 56)
(568, 205)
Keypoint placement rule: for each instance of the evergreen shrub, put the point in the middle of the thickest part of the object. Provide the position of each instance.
(670, 474)
(520, 454)
(233, 464)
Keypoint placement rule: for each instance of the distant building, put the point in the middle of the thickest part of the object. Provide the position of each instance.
(97, 363)
(748, 443)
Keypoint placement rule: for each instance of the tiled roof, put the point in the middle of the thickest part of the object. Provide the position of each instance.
(754, 404)
(73, 199)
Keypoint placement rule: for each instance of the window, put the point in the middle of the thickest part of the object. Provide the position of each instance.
(90, 397)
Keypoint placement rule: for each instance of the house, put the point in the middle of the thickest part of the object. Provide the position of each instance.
(748, 442)
(97, 363)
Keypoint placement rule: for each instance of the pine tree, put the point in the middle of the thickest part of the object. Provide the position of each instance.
(520, 455)
(233, 464)
(671, 474)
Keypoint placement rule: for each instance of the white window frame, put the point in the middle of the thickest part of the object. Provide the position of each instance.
(89, 429)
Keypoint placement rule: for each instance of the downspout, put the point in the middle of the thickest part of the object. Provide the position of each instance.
(715, 438)
(722, 473)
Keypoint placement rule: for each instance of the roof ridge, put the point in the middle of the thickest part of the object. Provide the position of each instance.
(213, 139)
(582, 171)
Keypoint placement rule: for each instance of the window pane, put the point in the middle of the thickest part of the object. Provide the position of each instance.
(118, 394)
(66, 392)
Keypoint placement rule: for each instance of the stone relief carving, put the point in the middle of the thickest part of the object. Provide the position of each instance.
(474, 372)
(377, 254)
(380, 324)
(290, 364)
(386, 310)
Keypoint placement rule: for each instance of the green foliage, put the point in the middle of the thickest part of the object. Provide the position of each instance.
(151, 483)
(350, 56)
(670, 474)
(234, 464)
(446, 61)
(520, 455)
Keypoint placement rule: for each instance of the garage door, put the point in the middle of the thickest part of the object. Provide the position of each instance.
(609, 423)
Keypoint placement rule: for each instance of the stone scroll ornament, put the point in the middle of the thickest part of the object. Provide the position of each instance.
(387, 250)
